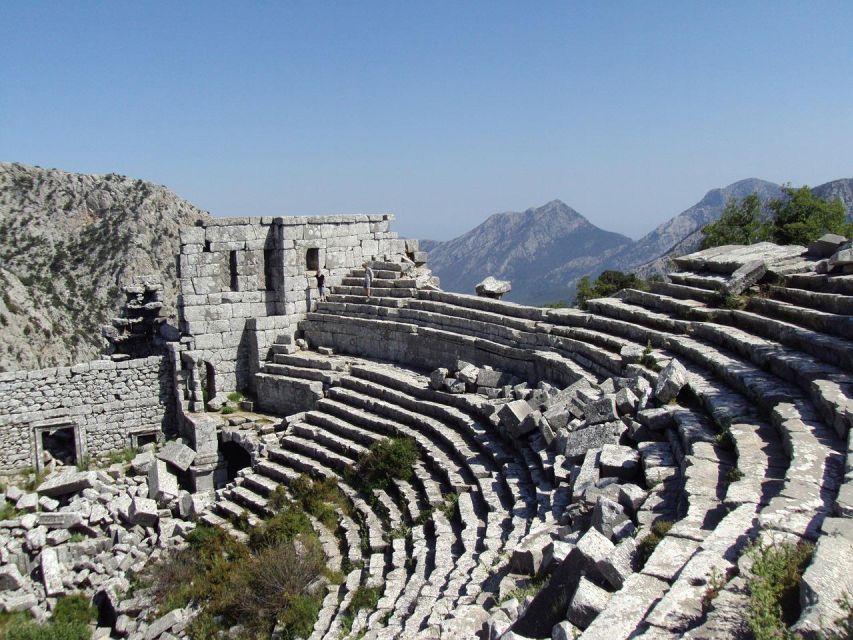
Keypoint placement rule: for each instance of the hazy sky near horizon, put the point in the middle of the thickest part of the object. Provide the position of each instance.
(440, 112)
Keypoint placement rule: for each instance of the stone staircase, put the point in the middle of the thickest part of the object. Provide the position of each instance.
(769, 388)
(428, 554)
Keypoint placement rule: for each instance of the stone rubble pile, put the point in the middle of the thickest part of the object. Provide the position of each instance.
(89, 531)
(610, 460)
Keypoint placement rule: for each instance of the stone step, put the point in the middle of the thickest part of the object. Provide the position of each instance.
(817, 283)
(312, 360)
(299, 464)
(336, 443)
(381, 274)
(213, 520)
(340, 298)
(246, 497)
(827, 302)
(290, 371)
(276, 472)
(376, 292)
(320, 454)
(261, 484)
(380, 283)
(703, 280)
(830, 323)
(684, 292)
(325, 417)
(230, 509)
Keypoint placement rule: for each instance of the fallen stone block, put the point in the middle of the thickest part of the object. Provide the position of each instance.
(162, 483)
(161, 625)
(581, 440)
(565, 630)
(491, 378)
(512, 415)
(14, 602)
(51, 572)
(607, 515)
(670, 381)
(587, 602)
(491, 287)
(620, 564)
(67, 482)
(527, 556)
(619, 461)
(10, 578)
(468, 374)
(437, 378)
(60, 519)
(745, 276)
(178, 455)
(142, 462)
(626, 402)
(143, 511)
(601, 410)
(656, 419)
(593, 547)
(826, 245)
(558, 416)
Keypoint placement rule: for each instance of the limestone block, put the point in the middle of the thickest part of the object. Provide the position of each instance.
(468, 374)
(143, 511)
(670, 381)
(587, 602)
(827, 579)
(161, 625)
(178, 455)
(607, 515)
(162, 483)
(626, 401)
(593, 548)
(528, 554)
(51, 572)
(491, 287)
(745, 276)
(512, 415)
(618, 566)
(631, 497)
(579, 441)
(10, 578)
(601, 410)
(60, 519)
(618, 461)
(27, 502)
(826, 245)
(67, 482)
(565, 630)
(437, 377)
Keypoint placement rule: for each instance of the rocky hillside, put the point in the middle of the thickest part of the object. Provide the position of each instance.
(67, 243)
(684, 230)
(543, 251)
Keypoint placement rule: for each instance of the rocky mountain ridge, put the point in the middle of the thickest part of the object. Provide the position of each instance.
(539, 249)
(69, 242)
(463, 261)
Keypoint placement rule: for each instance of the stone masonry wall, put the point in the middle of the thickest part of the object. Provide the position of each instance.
(106, 401)
(246, 281)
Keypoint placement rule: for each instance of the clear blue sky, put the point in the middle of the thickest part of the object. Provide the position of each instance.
(441, 112)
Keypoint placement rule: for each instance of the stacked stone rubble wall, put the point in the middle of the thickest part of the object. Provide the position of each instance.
(245, 281)
(108, 402)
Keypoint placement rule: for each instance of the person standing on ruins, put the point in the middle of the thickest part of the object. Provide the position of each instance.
(368, 278)
(321, 285)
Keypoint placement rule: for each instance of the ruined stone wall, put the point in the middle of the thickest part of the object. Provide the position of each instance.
(245, 281)
(107, 402)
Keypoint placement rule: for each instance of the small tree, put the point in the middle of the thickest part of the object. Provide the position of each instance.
(800, 217)
(739, 224)
(606, 284)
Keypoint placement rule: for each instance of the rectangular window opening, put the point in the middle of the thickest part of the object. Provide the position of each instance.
(232, 266)
(269, 280)
(312, 259)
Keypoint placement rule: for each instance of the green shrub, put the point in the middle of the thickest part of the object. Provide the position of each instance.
(647, 545)
(228, 410)
(235, 396)
(70, 621)
(321, 498)
(739, 224)
(386, 460)
(800, 217)
(774, 587)
(362, 598)
(606, 284)
(284, 526)
(298, 616)
(7, 511)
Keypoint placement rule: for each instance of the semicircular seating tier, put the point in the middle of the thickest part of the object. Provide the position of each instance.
(752, 450)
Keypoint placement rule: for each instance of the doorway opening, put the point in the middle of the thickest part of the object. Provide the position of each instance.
(235, 458)
(61, 444)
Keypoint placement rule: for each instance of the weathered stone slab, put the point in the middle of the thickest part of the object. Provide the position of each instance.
(826, 581)
(143, 511)
(67, 482)
(670, 381)
(178, 455)
(60, 519)
(578, 442)
(588, 601)
(618, 461)
(491, 287)
(601, 410)
(51, 572)
(162, 483)
(512, 415)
